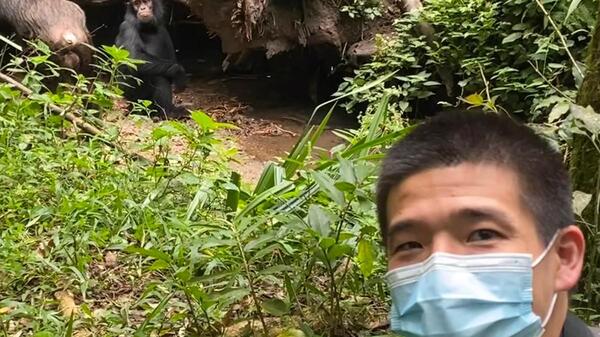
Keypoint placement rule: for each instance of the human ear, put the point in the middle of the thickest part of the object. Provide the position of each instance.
(570, 248)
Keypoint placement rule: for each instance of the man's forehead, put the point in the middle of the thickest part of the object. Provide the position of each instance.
(464, 175)
(460, 188)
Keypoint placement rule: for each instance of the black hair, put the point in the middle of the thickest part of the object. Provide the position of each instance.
(453, 138)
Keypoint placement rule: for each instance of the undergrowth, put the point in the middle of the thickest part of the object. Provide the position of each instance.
(99, 241)
(522, 58)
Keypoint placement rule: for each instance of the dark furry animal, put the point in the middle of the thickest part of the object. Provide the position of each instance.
(144, 35)
(59, 23)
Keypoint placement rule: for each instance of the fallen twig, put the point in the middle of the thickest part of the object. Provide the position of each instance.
(76, 121)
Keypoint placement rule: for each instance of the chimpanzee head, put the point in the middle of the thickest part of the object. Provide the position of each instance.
(147, 11)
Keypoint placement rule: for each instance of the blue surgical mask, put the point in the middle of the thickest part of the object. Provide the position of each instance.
(448, 295)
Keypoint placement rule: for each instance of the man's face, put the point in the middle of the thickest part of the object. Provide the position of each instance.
(466, 209)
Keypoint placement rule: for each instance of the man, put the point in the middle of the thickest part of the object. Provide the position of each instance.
(476, 216)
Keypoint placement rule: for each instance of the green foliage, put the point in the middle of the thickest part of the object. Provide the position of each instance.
(506, 47)
(518, 57)
(96, 241)
(362, 9)
(178, 245)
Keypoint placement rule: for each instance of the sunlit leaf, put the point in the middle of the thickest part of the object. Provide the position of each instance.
(475, 99)
(580, 201)
(572, 7)
(365, 257)
(292, 333)
(512, 37)
(558, 111)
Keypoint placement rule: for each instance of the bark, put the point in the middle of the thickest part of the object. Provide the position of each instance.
(585, 171)
(585, 159)
(589, 93)
(278, 26)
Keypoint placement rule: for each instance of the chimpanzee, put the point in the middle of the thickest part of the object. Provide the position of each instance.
(144, 35)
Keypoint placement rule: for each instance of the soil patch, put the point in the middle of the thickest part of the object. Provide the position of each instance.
(270, 119)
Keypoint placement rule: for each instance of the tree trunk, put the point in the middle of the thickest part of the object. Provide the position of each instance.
(584, 159)
(585, 173)
(589, 93)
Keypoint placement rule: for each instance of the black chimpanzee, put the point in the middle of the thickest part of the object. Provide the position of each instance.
(144, 35)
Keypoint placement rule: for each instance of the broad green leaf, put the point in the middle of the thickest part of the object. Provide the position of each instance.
(339, 250)
(558, 111)
(475, 99)
(347, 171)
(69, 332)
(512, 37)
(326, 185)
(116, 53)
(159, 265)
(203, 120)
(320, 220)
(365, 257)
(520, 26)
(260, 241)
(572, 7)
(276, 307)
(198, 294)
(580, 201)
(266, 251)
(184, 274)
(233, 294)
(345, 186)
(326, 242)
(589, 118)
(154, 253)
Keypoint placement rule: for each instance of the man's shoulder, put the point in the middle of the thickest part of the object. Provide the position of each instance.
(574, 327)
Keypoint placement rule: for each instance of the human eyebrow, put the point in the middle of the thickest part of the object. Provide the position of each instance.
(486, 214)
(402, 226)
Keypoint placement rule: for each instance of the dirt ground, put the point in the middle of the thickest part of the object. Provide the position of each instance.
(270, 118)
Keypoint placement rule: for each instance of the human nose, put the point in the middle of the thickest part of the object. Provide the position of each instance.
(445, 243)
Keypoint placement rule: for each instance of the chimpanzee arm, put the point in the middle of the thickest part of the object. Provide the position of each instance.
(169, 70)
(129, 39)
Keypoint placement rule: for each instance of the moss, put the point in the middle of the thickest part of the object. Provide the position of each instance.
(589, 93)
(584, 162)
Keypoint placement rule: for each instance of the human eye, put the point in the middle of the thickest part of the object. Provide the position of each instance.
(406, 247)
(484, 235)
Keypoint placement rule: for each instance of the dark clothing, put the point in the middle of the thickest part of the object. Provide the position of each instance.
(574, 327)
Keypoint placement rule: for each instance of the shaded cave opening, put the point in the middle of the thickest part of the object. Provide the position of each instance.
(299, 79)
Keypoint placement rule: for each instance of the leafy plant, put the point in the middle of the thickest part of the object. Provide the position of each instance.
(362, 9)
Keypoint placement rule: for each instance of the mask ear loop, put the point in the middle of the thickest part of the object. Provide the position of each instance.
(550, 310)
(548, 315)
(555, 296)
(548, 248)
